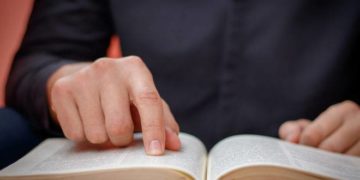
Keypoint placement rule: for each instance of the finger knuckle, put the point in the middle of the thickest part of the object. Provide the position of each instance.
(122, 129)
(350, 105)
(103, 63)
(344, 106)
(96, 137)
(151, 126)
(133, 61)
(148, 97)
(122, 140)
(76, 136)
(81, 76)
(61, 87)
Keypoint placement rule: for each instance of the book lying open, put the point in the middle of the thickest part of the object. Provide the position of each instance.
(236, 157)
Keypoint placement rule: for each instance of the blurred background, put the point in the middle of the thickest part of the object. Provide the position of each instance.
(14, 15)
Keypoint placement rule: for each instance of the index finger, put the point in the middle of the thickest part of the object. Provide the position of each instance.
(148, 102)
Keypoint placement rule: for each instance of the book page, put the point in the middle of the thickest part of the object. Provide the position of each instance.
(58, 155)
(322, 162)
(252, 150)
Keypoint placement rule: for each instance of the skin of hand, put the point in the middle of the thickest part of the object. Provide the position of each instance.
(337, 129)
(108, 100)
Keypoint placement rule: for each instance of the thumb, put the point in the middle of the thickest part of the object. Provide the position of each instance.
(291, 130)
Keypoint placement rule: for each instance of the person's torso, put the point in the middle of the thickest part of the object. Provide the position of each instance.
(239, 66)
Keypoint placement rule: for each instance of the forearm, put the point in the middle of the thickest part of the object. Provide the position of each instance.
(50, 44)
(26, 88)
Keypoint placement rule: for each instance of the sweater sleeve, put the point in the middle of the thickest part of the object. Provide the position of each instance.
(59, 32)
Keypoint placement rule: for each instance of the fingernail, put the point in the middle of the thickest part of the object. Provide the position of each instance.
(155, 147)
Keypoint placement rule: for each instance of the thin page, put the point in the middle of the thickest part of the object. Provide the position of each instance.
(322, 162)
(252, 150)
(59, 156)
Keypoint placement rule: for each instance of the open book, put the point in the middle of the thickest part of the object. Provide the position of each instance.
(236, 157)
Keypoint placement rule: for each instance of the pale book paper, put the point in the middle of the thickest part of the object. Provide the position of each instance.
(253, 150)
(56, 156)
